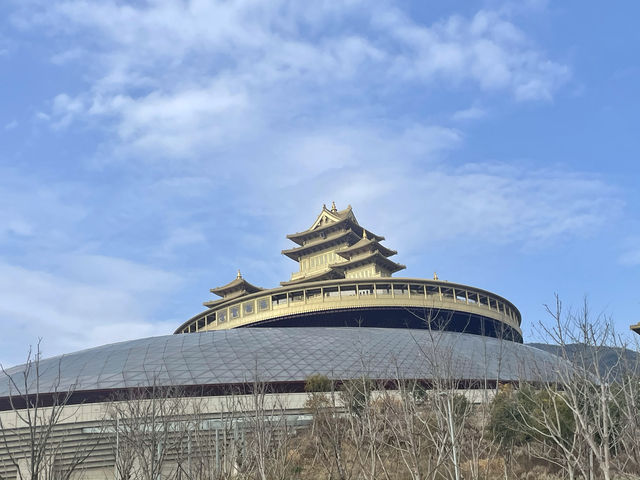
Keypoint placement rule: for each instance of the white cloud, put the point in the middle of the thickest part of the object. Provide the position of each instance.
(246, 116)
(40, 211)
(176, 75)
(11, 125)
(471, 113)
(630, 256)
(91, 301)
(491, 204)
(65, 108)
(487, 49)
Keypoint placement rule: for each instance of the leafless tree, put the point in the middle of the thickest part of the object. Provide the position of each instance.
(34, 444)
(328, 434)
(586, 384)
(269, 433)
(150, 425)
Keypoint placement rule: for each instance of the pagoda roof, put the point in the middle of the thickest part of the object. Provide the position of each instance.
(374, 257)
(365, 244)
(327, 220)
(236, 288)
(328, 274)
(296, 252)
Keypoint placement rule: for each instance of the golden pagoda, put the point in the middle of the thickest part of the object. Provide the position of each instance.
(345, 280)
(336, 246)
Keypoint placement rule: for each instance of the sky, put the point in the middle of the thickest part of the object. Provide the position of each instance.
(149, 149)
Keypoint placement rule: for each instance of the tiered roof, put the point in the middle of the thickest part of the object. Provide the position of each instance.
(350, 246)
(328, 221)
(336, 236)
(321, 242)
(365, 245)
(235, 288)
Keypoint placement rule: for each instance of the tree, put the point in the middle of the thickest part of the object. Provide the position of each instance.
(149, 427)
(32, 441)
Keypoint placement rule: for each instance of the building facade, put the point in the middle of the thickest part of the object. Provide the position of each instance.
(342, 314)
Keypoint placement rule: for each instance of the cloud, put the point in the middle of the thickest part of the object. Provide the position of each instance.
(201, 71)
(91, 300)
(486, 49)
(41, 212)
(11, 125)
(427, 200)
(631, 252)
(223, 124)
(471, 113)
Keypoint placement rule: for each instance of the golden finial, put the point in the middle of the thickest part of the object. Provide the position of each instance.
(435, 276)
(324, 206)
(364, 234)
(239, 275)
(333, 207)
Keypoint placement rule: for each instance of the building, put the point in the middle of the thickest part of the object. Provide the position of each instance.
(341, 315)
(344, 279)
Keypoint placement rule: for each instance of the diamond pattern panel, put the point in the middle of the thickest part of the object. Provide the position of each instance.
(289, 354)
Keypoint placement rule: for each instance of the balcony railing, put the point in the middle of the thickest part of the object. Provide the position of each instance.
(351, 293)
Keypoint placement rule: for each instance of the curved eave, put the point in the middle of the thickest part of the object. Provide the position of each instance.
(300, 237)
(372, 245)
(237, 284)
(297, 252)
(324, 275)
(374, 257)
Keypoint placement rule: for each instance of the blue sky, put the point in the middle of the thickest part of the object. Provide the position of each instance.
(148, 149)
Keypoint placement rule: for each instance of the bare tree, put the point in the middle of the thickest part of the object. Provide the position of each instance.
(34, 443)
(586, 382)
(150, 425)
(328, 434)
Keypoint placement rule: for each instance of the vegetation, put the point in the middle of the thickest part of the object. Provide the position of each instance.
(582, 425)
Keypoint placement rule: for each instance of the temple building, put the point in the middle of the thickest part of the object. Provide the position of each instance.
(336, 246)
(344, 279)
(341, 315)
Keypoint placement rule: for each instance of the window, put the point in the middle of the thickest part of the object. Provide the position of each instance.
(447, 293)
(431, 290)
(400, 289)
(416, 290)
(234, 311)
(314, 294)
(483, 300)
(277, 300)
(248, 308)
(365, 290)
(211, 318)
(383, 289)
(472, 297)
(200, 323)
(296, 296)
(348, 290)
(263, 304)
(331, 292)
(221, 316)
(461, 296)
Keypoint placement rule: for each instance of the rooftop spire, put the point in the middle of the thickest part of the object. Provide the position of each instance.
(333, 207)
(239, 275)
(364, 233)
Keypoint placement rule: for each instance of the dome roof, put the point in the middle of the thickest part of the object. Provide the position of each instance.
(240, 356)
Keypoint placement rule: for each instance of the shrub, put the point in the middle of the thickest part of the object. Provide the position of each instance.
(317, 383)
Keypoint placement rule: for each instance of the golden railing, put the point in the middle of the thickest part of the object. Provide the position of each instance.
(351, 293)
